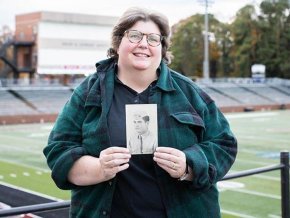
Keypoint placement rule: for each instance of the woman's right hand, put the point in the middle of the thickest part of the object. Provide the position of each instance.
(89, 170)
(113, 160)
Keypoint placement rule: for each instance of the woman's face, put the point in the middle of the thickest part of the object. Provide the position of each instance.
(140, 56)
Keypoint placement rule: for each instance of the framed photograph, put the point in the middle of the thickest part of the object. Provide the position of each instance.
(141, 128)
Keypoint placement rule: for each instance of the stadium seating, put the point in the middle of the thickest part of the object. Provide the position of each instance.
(46, 101)
(245, 93)
(230, 92)
(10, 105)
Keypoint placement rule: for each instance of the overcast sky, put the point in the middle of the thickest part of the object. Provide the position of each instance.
(175, 10)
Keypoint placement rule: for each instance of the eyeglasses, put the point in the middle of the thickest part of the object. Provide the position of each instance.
(136, 36)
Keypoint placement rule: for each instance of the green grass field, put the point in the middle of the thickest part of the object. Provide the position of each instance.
(261, 137)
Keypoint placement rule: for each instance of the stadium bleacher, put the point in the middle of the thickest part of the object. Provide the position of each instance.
(10, 105)
(46, 101)
(275, 96)
(230, 94)
(221, 98)
(31, 101)
(244, 93)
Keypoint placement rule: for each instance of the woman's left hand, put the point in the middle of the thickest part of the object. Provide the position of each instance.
(171, 160)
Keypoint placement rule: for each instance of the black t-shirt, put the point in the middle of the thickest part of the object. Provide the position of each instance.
(137, 193)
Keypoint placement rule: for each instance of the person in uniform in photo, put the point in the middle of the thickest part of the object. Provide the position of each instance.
(143, 141)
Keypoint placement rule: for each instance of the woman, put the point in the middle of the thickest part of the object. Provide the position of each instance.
(87, 147)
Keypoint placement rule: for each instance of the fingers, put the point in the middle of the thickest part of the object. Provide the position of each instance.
(166, 157)
(114, 160)
(111, 172)
(173, 168)
(171, 160)
(115, 153)
(174, 172)
(113, 150)
(168, 150)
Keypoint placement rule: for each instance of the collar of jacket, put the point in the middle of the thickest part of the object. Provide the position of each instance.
(164, 81)
(102, 85)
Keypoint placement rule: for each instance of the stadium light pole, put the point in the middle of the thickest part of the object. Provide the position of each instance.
(206, 44)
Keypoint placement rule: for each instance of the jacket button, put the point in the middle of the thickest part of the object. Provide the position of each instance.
(104, 212)
(110, 183)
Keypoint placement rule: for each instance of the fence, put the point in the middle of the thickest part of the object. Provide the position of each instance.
(283, 167)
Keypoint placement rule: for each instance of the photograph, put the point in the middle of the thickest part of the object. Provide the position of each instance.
(141, 128)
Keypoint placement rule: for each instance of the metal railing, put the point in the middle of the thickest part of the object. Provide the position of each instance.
(283, 167)
(284, 174)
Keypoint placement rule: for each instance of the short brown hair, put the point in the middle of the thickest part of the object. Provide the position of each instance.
(132, 16)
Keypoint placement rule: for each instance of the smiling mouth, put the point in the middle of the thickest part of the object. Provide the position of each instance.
(141, 55)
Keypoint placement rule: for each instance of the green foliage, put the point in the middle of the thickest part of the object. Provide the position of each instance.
(188, 48)
(251, 38)
(187, 45)
(245, 36)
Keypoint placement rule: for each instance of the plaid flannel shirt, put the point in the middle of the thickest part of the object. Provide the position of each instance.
(188, 119)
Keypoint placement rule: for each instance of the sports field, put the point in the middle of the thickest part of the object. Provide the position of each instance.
(261, 137)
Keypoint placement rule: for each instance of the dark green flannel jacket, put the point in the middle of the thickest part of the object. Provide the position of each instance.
(188, 120)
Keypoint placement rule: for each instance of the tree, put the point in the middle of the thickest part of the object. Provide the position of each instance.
(187, 46)
(251, 38)
(275, 37)
(245, 34)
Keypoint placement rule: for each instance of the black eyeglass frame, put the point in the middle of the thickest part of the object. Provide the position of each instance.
(144, 34)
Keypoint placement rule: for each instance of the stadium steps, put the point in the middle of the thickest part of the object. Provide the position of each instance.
(282, 90)
(47, 101)
(225, 94)
(24, 100)
(258, 94)
(10, 105)
(16, 198)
